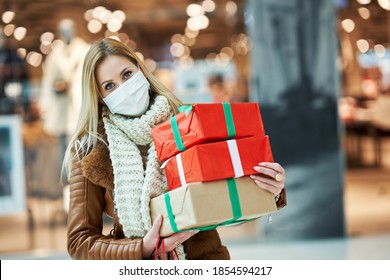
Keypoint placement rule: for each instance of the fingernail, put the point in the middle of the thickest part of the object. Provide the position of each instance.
(262, 164)
(256, 168)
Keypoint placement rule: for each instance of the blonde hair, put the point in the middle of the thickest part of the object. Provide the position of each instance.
(86, 135)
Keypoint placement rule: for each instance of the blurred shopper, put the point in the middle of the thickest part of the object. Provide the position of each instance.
(218, 88)
(114, 166)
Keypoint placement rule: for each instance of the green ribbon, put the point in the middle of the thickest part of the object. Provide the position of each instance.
(185, 108)
(170, 212)
(234, 198)
(176, 134)
(175, 127)
(234, 201)
(227, 110)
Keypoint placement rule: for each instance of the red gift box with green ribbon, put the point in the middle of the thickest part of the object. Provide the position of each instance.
(209, 205)
(218, 160)
(203, 123)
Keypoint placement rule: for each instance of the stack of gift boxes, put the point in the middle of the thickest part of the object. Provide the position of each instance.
(208, 152)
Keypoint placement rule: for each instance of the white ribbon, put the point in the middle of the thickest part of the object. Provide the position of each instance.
(235, 157)
(180, 169)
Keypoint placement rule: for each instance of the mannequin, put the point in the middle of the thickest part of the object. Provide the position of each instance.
(60, 97)
(61, 82)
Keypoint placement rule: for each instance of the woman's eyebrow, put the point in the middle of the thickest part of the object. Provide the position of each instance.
(121, 73)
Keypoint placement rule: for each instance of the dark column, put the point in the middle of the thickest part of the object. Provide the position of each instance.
(296, 82)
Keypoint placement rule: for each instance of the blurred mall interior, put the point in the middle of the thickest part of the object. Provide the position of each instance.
(320, 71)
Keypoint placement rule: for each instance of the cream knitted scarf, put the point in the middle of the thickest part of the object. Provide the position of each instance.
(133, 186)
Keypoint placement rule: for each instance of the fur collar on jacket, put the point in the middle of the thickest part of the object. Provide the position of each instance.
(97, 166)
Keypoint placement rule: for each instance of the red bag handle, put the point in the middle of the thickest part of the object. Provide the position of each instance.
(172, 254)
(158, 242)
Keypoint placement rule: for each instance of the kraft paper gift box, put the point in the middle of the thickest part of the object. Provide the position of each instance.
(203, 123)
(218, 160)
(205, 206)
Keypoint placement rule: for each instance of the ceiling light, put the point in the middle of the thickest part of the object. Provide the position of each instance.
(45, 48)
(97, 10)
(8, 16)
(177, 49)
(364, 12)
(208, 6)
(380, 50)
(177, 38)
(364, 2)
(385, 4)
(8, 30)
(21, 52)
(104, 16)
(362, 45)
(231, 7)
(34, 58)
(114, 25)
(194, 10)
(348, 25)
(20, 33)
(88, 15)
(228, 51)
(120, 15)
(47, 37)
(94, 26)
(191, 33)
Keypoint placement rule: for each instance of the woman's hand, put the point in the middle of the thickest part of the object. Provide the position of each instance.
(271, 177)
(171, 242)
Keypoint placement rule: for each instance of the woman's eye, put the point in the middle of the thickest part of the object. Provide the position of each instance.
(127, 75)
(109, 86)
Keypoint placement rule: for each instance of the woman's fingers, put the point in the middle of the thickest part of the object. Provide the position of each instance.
(268, 184)
(273, 170)
(274, 179)
(273, 165)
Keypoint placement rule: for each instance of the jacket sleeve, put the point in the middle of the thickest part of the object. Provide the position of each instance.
(85, 224)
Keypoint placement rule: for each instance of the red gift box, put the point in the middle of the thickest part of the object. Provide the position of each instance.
(217, 160)
(203, 123)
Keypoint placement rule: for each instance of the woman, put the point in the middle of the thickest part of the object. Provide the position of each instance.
(111, 152)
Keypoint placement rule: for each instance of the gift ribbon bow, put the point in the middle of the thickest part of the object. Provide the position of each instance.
(234, 201)
(227, 110)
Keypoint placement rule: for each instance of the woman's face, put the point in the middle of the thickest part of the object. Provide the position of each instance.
(112, 72)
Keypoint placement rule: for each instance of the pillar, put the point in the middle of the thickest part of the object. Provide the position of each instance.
(295, 80)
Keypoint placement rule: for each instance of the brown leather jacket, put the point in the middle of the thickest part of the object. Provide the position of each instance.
(91, 185)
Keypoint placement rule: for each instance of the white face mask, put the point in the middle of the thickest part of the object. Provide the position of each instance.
(131, 98)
